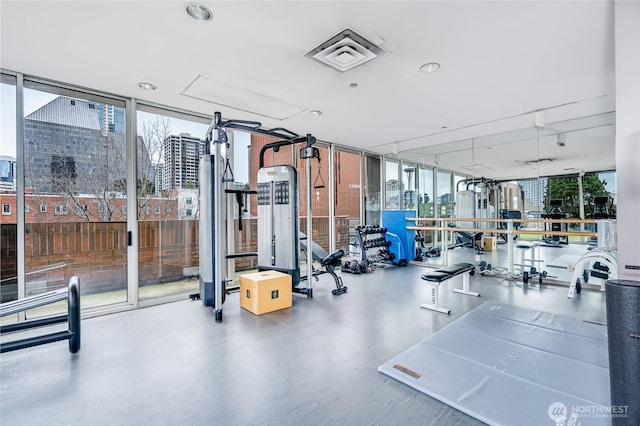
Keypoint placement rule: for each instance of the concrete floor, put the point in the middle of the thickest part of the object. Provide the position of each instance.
(315, 363)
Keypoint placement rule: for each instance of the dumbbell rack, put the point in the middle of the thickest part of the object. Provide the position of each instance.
(372, 237)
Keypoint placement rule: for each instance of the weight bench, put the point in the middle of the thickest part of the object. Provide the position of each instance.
(436, 277)
(327, 261)
(72, 293)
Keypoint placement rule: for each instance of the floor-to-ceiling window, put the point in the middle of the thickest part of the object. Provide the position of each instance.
(409, 194)
(392, 185)
(426, 200)
(319, 196)
(444, 200)
(347, 195)
(75, 194)
(372, 190)
(169, 146)
(444, 195)
(8, 205)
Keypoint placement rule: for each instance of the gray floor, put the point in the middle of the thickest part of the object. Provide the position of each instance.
(315, 363)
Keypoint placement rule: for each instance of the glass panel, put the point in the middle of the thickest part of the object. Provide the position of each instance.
(426, 201)
(372, 193)
(444, 200)
(347, 184)
(8, 213)
(169, 151)
(319, 197)
(75, 192)
(409, 199)
(392, 186)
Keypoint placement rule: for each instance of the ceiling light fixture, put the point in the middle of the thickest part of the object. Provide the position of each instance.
(198, 12)
(315, 112)
(430, 67)
(147, 86)
(353, 85)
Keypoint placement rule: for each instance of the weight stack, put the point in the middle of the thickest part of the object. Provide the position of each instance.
(623, 328)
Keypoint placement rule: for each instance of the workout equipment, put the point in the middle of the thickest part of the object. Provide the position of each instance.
(600, 262)
(215, 176)
(508, 214)
(467, 239)
(422, 250)
(506, 365)
(478, 202)
(70, 293)
(354, 267)
(435, 278)
(600, 211)
(601, 208)
(265, 291)
(374, 246)
(278, 221)
(326, 260)
(396, 223)
(596, 263)
(555, 212)
(529, 265)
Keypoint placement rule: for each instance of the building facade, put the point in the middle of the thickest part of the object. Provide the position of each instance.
(181, 155)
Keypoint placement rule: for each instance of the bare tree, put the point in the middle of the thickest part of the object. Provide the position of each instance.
(151, 141)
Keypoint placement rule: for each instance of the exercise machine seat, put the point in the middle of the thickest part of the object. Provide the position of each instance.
(333, 259)
(447, 272)
(436, 276)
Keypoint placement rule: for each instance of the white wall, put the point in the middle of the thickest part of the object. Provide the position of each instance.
(627, 65)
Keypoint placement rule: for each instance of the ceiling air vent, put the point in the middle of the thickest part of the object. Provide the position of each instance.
(345, 51)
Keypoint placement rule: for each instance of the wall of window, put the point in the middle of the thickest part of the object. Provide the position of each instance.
(392, 190)
(78, 197)
(74, 194)
(409, 193)
(168, 150)
(426, 200)
(319, 196)
(8, 177)
(347, 196)
(372, 189)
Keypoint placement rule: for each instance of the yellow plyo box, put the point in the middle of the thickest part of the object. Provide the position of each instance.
(265, 291)
(489, 243)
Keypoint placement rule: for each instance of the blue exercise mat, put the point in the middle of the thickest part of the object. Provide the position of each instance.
(506, 365)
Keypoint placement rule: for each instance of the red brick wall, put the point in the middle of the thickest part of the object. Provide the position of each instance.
(96, 252)
(34, 215)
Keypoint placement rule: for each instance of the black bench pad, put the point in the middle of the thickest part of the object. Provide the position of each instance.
(447, 272)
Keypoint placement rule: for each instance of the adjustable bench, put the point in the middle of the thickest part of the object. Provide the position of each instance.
(436, 277)
(327, 261)
(72, 293)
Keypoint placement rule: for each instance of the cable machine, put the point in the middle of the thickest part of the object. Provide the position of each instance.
(279, 195)
(278, 219)
(215, 175)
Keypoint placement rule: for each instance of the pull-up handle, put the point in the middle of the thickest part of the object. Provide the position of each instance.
(318, 177)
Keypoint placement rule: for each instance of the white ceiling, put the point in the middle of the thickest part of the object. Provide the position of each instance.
(500, 62)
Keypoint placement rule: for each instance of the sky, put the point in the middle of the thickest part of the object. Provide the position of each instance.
(34, 99)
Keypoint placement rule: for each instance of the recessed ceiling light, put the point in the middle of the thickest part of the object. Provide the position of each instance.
(198, 12)
(430, 67)
(315, 113)
(146, 86)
